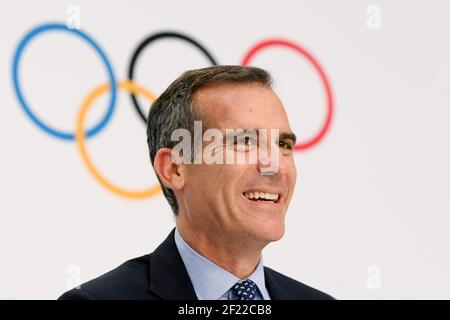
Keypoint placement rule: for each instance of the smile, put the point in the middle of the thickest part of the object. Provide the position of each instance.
(262, 197)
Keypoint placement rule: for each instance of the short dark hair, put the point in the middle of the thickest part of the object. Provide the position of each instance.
(174, 108)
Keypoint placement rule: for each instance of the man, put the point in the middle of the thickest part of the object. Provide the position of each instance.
(226, 213)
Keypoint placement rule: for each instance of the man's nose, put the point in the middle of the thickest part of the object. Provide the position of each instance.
(268, 159)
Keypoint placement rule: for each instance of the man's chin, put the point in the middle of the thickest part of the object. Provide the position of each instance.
(276, 235)
(271, 232)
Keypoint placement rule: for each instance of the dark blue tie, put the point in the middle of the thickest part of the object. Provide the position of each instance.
(245, 290)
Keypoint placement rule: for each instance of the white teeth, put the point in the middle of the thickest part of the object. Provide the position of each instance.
(263, 195)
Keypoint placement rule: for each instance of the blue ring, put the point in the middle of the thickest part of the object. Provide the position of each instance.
(17, 55)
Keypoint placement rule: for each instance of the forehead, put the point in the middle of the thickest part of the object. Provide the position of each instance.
(241, 106)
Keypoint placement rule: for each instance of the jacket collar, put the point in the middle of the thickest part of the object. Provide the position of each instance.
(168, 276)
(274, 286)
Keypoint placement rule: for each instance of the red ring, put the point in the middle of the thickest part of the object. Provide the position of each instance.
(325, 82)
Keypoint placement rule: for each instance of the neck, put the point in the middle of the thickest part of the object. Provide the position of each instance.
(214, 246)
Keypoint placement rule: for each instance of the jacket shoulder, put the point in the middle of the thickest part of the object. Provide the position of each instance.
(295, 289)
(130, 280)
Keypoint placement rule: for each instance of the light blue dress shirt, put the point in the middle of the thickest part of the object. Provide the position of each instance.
(210, 281)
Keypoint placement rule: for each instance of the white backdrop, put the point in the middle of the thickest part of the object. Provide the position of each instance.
(370, 215)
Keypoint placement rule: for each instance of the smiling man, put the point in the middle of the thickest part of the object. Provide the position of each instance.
(226, 213)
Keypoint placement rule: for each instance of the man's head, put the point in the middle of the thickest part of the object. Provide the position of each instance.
(215, 197)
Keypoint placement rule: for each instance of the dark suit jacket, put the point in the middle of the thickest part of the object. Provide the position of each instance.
(162, 275)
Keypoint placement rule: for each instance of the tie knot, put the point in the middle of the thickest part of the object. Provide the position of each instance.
(245, 290)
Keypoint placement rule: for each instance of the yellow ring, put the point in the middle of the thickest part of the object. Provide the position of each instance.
(80, 141)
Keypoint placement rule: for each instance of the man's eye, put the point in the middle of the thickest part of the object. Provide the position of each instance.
(286, 145)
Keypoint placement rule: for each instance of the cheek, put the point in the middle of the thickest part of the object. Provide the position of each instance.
(292, 170)
(197, 182)
(228, 179)
(215, 182)
(290, 176)
(206, 179)
(294, 174)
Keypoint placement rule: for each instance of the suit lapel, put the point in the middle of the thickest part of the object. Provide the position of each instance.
(168, 276)
(274, 287)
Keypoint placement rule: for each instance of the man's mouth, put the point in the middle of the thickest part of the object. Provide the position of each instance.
(262, 197)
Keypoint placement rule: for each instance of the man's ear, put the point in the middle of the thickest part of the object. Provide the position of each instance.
(170, 173)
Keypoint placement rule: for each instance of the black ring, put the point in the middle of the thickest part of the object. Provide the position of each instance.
(148, 41)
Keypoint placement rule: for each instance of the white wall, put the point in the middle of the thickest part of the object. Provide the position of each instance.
(370, 215)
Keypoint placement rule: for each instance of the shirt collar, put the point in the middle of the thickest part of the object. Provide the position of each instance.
(209, 280)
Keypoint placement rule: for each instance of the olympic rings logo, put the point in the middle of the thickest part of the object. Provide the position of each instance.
(81, 133)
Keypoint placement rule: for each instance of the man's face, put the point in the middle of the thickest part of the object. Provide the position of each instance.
(216, 196)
